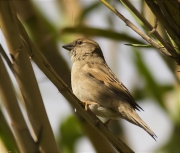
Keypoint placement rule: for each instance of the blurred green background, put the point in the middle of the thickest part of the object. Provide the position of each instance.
(151, 77)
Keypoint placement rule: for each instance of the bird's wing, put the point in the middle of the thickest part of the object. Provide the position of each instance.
(103, 74)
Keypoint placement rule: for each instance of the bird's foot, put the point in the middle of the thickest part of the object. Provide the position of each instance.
(87, 103)
(97, 123)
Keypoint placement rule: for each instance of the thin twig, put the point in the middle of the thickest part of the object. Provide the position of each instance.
(106, 33)
(2, 52)
(154, 27)
(137, 30)
(162, 49)
(150, 27)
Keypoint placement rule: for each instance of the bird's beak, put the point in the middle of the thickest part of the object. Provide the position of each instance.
(69, 47)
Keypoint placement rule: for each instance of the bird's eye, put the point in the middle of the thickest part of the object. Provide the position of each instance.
(79, 42)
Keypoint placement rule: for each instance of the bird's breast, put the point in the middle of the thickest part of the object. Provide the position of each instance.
(87, 88)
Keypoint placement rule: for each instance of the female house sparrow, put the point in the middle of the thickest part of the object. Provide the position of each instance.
(96, 85)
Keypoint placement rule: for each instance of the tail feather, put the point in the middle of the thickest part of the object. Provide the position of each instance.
(144, 126)
(135, 119)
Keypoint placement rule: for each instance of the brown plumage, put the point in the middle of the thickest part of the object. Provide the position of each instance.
(96, 85)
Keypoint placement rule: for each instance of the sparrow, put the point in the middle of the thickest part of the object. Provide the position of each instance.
(97, 87)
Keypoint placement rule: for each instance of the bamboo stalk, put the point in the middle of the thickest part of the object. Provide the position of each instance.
(167, 16)
(7, 139)
(42, 35)
(24, 139)
(25, 77)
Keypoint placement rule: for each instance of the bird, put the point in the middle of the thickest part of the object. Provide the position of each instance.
(98, 88)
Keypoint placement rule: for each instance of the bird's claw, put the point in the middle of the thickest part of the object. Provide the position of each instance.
(87, 103)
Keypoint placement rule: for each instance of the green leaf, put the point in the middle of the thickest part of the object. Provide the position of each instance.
(69, 133)
(152, 88)
(173, 143)
(106, 33)
(139, 45)
(7, 136)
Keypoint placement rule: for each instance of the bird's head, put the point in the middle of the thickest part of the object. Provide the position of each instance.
(84, 49)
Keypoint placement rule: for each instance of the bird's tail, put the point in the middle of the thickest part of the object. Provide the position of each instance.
(135, 119)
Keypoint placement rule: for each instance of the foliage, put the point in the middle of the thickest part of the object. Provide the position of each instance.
(47, 37)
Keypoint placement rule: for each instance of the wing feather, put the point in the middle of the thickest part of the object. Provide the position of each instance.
(104, 75)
